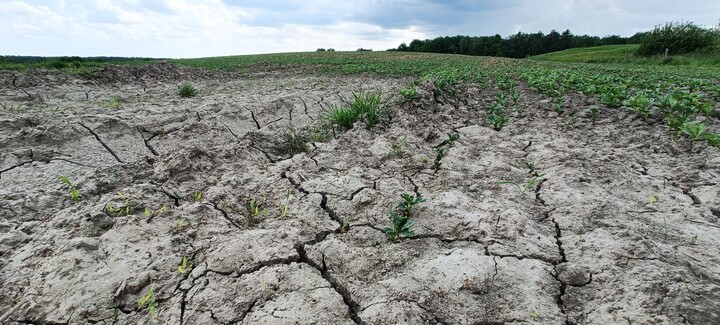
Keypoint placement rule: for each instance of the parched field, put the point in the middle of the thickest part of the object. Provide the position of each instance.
(530, 193)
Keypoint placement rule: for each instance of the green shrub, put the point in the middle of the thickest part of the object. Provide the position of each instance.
(678, 38)
(187, 90)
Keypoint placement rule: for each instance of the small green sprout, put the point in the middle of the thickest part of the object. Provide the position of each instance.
(254, 210)
(119, 211)
(148, 302)
(113, 102)
(73, 191)
(397, 148)
(345, 225)
(197, 196)
(184, 267)
(593, 111)
(652, 199)
(694, 240)
(525, 187)
(285, 207)
(534, 315)
(154, 213)
(423, 160)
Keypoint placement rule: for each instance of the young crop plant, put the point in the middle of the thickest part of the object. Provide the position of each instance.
(400, 226)
(197, 196)
(523, 188)
(184, 266)
(73, 191)
(408, 94)
(148, 302)
(285, 206)
(150, 213)
(400, 222)
(119, 211)
(440, 154)
(497, 120)
(695, 130)
(254, 209)
(640, 103)
(593, 112)
(187, 91)
(452, 137)
(398, 148)
(408, 202)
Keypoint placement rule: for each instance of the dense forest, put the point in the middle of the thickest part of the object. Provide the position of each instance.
(519, 45)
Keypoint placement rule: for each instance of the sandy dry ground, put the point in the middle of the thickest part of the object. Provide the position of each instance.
(622, 228)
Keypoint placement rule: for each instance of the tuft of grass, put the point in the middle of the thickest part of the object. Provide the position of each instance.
(187, 91)
(113, 102)
(364, 106)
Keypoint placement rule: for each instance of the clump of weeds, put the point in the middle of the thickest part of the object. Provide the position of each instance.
(187, 91)
(113, 102)
(73, 191)
(294, 141)
(184, 266)
(400, 222)
(363, 106)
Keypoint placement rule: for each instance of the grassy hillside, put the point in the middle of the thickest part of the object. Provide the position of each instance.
(626, 54)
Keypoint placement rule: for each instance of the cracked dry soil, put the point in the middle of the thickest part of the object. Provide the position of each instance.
(583, 246)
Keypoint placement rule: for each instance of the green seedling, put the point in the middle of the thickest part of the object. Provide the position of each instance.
(696, 130)
(150, 213)
(119, 211)
(452, 137)
(440, 154)
(409, 201)
(345, 226)
(593, 111)
(187, 91)
(73, 191)
(400, 226)
(423, 160)
(408, 94)
(534, 315)
(148, 302)
(184, 267)
(113, 102)
(398, 148)
(694, 240)
(254, 210)
(665, 228)
(497, 120)
(285, 207)
(197, 196)
(524, 188)
(652, 199)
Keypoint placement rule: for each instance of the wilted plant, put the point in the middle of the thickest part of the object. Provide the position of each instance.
(187, 90)
(73, 191)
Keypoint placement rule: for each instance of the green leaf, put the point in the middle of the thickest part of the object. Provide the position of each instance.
(65, 180)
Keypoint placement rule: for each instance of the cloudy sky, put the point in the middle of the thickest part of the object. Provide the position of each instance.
(197, 28)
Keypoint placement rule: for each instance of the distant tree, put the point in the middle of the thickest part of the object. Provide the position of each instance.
(364, 50)
(320, 50)
(331, 49)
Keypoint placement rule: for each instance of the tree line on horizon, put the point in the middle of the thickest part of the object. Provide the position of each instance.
(519, 45)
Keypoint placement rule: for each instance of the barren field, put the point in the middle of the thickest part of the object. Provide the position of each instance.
(200, 211)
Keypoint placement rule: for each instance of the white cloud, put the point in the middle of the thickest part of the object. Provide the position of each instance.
(192, 28)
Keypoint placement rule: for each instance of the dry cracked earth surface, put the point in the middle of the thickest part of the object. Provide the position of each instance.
(620, 226)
